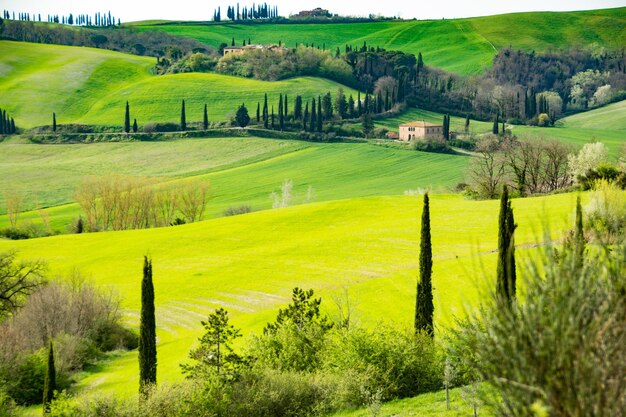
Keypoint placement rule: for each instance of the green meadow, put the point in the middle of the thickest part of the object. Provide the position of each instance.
(91, 86)
(239, 171)
(463, 46)
(249, 263)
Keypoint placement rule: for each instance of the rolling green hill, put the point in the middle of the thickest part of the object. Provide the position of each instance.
(240, 170)
(249, 264)
(85, 85)
(464, 46)
(611, 117)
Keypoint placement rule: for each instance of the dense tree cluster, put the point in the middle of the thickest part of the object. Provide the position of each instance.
(7, 123)
(159, 44)
(245, 13)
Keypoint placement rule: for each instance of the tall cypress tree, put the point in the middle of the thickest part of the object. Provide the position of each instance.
(135, 126)
(313, 122)
(265, 112)
(306, 116)
(183, 117)
(147, 330)
(424, 307)
(272, 116)
(205, 121)
(49, 384)
(258, 112)
(281, 120)
(127, 119)
(579, 235)
(286, 107)
(358, 104)
(319, 114)
(54, 121)
(506, 271)
(467, 123)
(495, 127)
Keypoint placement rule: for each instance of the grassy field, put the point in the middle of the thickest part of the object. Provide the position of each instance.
(240, 170)
(464, 46)
(610, 117)
(249, 263)
(85, 85)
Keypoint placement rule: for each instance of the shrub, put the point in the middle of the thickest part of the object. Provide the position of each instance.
(561, 349)
(236, 210)
(160, 127)
(24, 378)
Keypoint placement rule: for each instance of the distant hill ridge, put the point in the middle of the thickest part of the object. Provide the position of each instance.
(464, 46)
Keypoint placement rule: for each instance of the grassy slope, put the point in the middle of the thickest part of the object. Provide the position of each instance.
(611, 117)
(240, 170)
(84, 85)
(464, 46)
(249, 264)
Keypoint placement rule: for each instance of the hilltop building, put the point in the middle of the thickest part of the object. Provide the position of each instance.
(239, 50)
(420, 130)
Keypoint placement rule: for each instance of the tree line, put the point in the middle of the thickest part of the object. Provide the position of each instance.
(7, 123)
(254, 12)
(98, 19)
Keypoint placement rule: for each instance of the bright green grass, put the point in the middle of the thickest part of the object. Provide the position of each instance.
(464, 46)
(250, 263)
(611, 117)
(240, 170)
(84, 85)
(426, 405)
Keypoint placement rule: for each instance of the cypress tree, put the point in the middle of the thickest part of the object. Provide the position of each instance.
(272, 116)
(281, 121)
(351, 107)
(503, 127)
(205, 121)
(467, 123)
(49, 384)
(258, 112)
(494, 129)
(358, 103)
(127, 119)
(286, 108)
(505, 272)
(297, 108)
(313, 122)
(183, 117)
(147, 330)
(2, 128)
(265, 112)
(306, 116)
(135, 127)
(319, 114)
(579, 235)
(424, 307)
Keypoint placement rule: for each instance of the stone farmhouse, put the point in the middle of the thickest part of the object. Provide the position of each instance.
(239, 50)
(420, 130)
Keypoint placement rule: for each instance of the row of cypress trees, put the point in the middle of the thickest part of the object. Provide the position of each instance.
(7, 124)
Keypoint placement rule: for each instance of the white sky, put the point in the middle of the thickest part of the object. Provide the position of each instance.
(130, 10)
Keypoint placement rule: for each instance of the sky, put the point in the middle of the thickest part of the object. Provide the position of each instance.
(132, 10)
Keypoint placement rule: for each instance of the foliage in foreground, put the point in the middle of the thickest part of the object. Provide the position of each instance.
(562, 349)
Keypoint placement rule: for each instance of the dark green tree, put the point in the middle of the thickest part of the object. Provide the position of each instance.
(258, 112)
(297, 108)
(205, 120)
(272, 116)
(341, 104)
(368, 125)
(147, 331)
(127, 119)
(281, 120)
(358, 103)
(286, 108)
(327, 107)
(505, 272)
(54, 121)
(424, 307)
(420, 62)
(135, 127)
(495, 127)
(215, 355)
(319, 114)
(242, 118)
(50, 381)
(579, 235)
(265, 113)
(467, 123)
(306, 116)
(183, 117)
(351, 109)
(13, 129)
(313, 123)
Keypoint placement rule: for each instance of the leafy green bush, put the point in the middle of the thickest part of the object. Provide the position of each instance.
(236, 210)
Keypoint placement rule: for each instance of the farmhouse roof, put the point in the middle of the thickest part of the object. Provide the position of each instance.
(420, 124)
